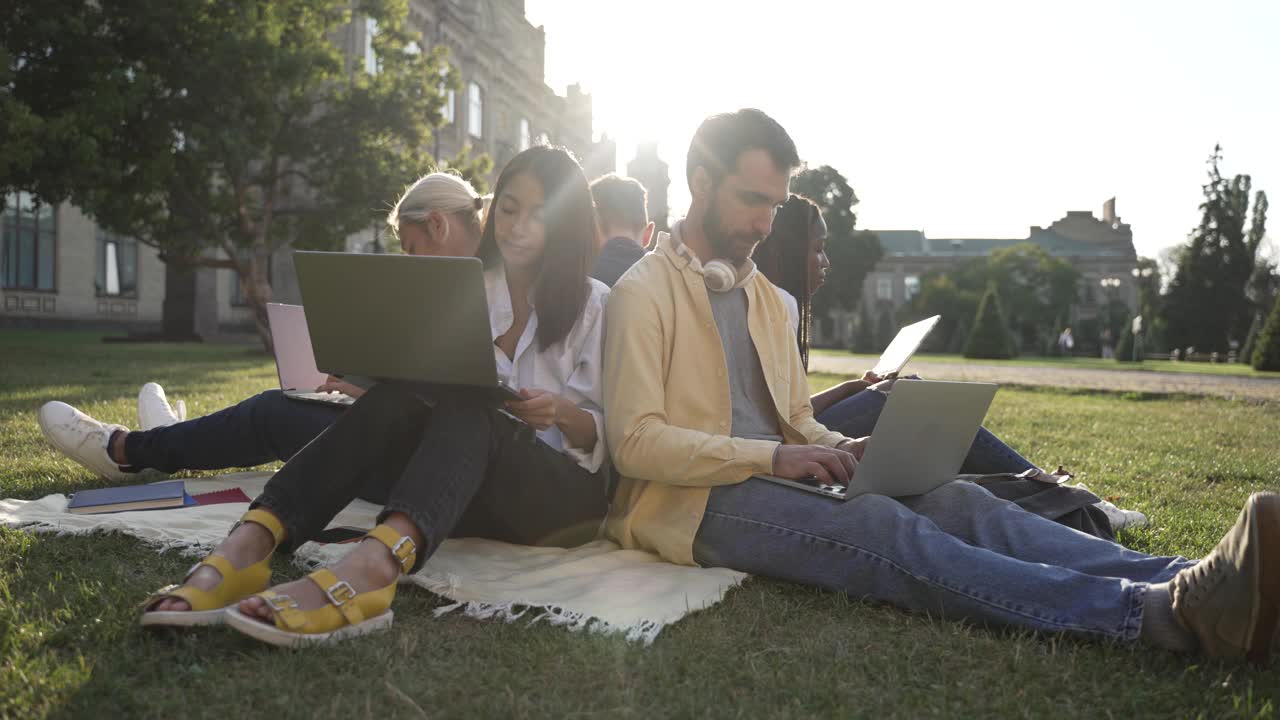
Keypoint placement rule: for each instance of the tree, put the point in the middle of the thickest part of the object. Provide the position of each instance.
(1149, 279)
(990, 336)
(939, 295)
(853, 254)
(1125, 348)
(473, 170)
(230, 130)
(1207, 305)
(864, 339)
(1266, 356)
(885, 329)
(1036, 291)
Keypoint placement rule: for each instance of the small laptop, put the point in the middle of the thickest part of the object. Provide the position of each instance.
(903, 346)
(399, 317)
(295, 363)
(919, 442)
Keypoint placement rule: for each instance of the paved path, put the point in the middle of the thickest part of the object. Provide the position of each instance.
(1239, 388)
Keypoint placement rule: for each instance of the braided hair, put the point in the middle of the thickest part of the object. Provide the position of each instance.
(783, 257)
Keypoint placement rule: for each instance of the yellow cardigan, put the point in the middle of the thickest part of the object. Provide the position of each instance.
(667, 404)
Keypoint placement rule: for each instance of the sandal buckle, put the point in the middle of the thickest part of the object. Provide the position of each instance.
(281, 602)
(402, 553)
(340, 592)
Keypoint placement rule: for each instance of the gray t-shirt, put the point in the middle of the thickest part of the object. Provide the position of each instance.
(754, 416)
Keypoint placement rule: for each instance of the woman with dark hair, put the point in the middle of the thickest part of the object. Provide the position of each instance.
(794, 258)
(444, 462)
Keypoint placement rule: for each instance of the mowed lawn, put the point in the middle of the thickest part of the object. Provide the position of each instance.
(1077, 363)
(70, 646)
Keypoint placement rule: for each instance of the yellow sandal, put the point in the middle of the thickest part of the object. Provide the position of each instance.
(207, 606)
(348, 614)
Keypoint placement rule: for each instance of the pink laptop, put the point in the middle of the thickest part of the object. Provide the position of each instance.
(295, 361)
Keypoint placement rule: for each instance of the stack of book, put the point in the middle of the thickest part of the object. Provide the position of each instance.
(153, 496)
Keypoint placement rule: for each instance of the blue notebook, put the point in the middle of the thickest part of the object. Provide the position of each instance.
(155, 496)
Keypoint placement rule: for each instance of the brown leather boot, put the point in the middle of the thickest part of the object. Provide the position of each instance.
(1231, 598)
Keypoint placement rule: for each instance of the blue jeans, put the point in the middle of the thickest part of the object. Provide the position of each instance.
(957, 552)
(856, 416)
(265, 428)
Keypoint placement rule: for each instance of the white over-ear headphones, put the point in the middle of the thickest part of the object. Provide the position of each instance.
(719, 275)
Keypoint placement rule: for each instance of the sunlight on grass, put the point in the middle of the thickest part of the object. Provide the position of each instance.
(71, 647)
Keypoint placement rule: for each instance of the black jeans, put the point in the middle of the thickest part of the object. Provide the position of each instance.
(448, 460)
(264, 428)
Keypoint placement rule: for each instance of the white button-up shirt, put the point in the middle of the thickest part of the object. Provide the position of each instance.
(570, 368)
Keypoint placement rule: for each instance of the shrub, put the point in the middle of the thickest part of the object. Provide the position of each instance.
(1266, 355)
(990, 337)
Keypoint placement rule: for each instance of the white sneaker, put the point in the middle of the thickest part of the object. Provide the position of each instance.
(1119, 517)
(154, 410)
(80, 438)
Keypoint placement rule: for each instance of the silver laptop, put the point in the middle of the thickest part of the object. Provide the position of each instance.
(295, 363)
(919, 442)
(399, 317)
(904, 345)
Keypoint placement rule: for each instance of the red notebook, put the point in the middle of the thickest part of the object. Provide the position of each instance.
(218, 497)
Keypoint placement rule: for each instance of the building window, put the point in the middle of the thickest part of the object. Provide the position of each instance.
(884, 288)
(475, 110)
(28, 243)
(117, 266)
(370, 56)
(449, 112)
(912, 286)
(526, 139)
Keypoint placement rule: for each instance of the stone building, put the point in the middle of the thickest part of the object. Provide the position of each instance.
(654, 174)
(1100, 249)
(504, 104)
(58, 269)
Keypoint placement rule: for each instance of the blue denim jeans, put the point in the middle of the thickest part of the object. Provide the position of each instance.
(856, 416)
(265, 428)
(957, 552)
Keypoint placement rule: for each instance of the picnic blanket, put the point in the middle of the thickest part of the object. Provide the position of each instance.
(597, 587)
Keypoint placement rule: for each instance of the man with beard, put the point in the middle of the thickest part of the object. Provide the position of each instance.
(704, 390)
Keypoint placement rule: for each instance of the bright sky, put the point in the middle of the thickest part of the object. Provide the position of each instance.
(963, 119)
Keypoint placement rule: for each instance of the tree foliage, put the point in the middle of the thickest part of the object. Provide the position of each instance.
(219, 132)
(990, 337)
(1207, 305)
(1036, 291)
(852, 253)
(1266, 355)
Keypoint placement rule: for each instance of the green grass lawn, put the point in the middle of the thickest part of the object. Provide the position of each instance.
(70, 646)
(1077, 363)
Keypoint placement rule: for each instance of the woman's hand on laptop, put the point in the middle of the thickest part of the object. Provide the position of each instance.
(333, 384)
(831, 466)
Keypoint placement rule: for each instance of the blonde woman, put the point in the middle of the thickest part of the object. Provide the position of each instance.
(443, 462)
(440, 214)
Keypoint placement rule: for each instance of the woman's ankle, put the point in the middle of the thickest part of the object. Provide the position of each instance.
(115, 448)
(250, 539)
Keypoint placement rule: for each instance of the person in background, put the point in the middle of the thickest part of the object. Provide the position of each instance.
(794, 258)
(624, 225)
(439, 214)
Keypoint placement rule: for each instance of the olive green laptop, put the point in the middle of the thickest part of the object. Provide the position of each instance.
(399, 317)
